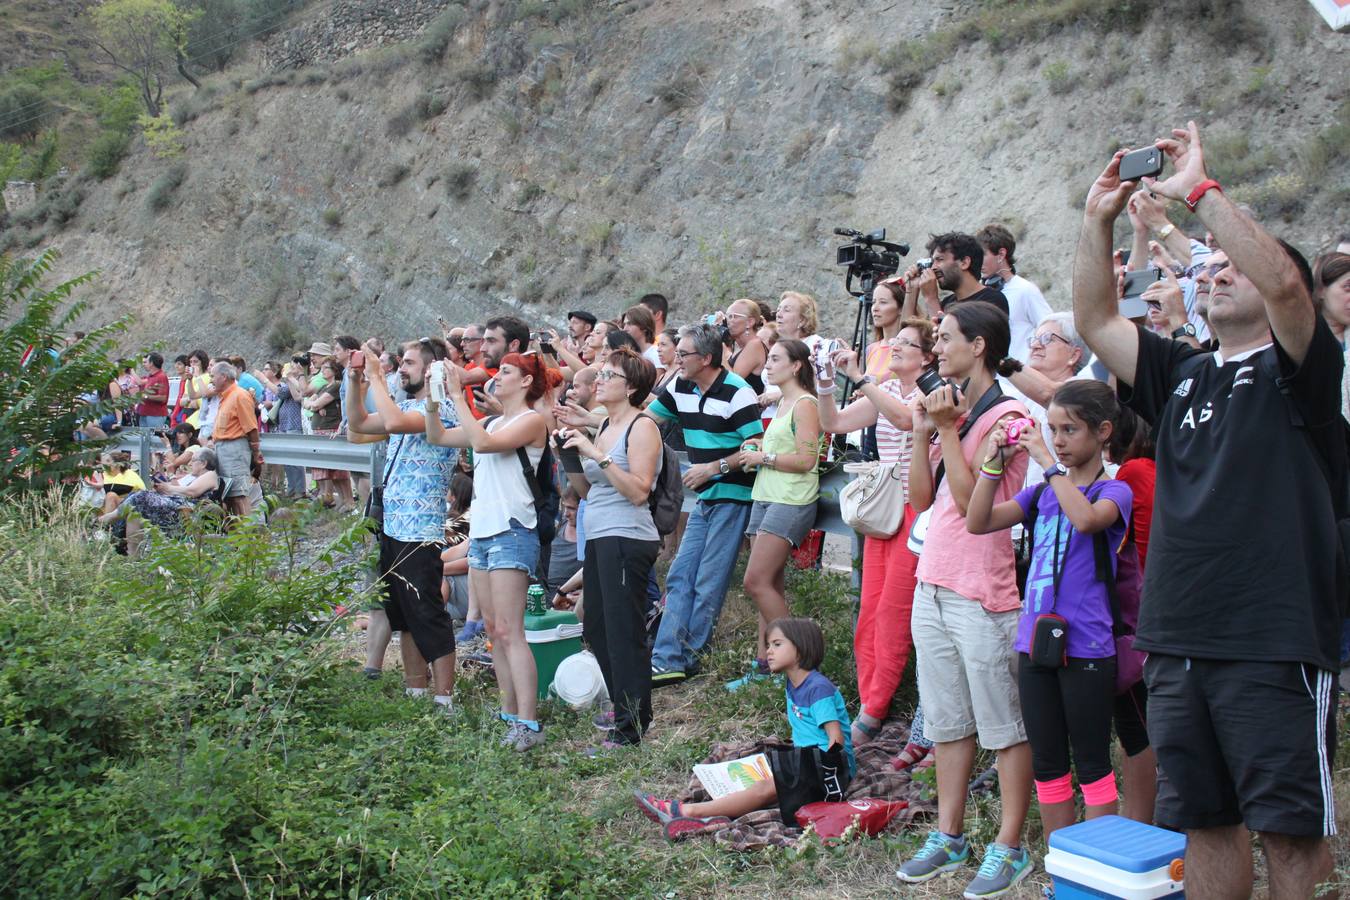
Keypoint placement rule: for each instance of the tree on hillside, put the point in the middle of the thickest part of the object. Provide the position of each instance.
(23, 112)
(45, 381)
(142, 37)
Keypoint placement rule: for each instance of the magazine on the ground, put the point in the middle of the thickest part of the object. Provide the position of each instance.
(722, 778)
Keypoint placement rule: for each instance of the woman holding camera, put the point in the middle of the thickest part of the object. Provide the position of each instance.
(785, 491)
(619, 469)
(966, 601)
(881, 639)
(503, 524)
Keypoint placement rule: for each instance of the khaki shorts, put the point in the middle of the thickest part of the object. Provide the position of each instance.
(967, 669)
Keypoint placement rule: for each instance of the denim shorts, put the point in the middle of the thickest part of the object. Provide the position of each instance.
(791, 523)
(517, 548)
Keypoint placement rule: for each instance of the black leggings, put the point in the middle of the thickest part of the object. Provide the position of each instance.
(614, 578)
(1068, 705)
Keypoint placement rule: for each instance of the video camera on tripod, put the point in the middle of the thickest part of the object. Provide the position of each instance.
(869, 257)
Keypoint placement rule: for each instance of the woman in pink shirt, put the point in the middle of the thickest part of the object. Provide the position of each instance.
(966, 604)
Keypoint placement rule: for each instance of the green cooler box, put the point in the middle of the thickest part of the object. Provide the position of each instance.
(552, 636)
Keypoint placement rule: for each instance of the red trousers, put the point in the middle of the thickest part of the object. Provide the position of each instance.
(882, 641)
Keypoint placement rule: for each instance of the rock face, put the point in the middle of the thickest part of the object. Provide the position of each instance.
(350, 26)
(589, 153)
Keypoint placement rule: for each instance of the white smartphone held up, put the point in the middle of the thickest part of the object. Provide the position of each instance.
(437, 375)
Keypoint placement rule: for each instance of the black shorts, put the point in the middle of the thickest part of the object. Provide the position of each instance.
(411, 573)
(803, 775)
(1131, 716)
(1243, 742)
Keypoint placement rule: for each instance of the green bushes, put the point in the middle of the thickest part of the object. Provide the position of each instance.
(24, 110)
(436, 38)
(186, 725)
(459, 179)
(106, 153)
(161, 191)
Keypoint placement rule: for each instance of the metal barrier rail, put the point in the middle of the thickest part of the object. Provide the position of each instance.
(323, 452)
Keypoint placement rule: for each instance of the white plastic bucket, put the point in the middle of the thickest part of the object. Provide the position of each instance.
(578, 681)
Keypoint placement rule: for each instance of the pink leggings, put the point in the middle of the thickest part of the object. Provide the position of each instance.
(882, 641)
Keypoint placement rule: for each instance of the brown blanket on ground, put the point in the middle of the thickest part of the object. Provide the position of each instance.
(875, 779)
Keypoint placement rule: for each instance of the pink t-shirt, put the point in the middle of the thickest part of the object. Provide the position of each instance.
(978, 566)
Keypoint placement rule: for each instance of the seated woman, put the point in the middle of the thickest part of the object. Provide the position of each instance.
(119, 480)
(161, 505)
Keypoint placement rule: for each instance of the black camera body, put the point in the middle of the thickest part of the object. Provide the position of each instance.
(929, 380)
(301, 359)
(869, 257)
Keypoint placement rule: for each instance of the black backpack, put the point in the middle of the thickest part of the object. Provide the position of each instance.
(544, 488)
(667, 496)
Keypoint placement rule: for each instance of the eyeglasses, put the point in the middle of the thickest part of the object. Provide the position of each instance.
(733, 315)
(684, 354)
(896, 342)
(1044, 340)
(469, 340)
(1209, 270)
(609, 375)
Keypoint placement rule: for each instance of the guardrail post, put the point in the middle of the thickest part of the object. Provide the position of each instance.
(145, 455)
(377, 464)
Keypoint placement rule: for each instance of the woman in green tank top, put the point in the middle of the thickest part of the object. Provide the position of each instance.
(786, 484)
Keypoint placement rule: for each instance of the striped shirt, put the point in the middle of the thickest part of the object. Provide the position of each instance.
(715, 424)
(894, 445)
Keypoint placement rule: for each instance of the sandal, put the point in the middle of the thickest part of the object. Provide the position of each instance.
(911, 757)
(862, 732)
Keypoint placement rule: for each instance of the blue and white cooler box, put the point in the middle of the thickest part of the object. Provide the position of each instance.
(1115, 857)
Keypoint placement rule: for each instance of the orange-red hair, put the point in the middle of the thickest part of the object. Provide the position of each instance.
(543, 378)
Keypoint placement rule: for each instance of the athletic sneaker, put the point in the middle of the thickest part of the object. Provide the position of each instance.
(509, 739)
(1002, 868)
(527, 738)
(662, 677)
(680, 828)
(604, 720)
(472, 629)
(939, 854)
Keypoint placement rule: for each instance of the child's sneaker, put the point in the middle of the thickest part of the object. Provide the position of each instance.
(604, 720)
(939, 854)
(1002, 868)
(527, 738)
(680, 828)
(658, 810)
(759, 671)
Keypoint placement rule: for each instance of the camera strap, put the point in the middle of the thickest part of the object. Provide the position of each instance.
(988, 400)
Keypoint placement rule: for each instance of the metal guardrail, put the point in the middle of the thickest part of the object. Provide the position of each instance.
(323, 452)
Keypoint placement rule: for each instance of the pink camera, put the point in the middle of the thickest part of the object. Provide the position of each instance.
(1015, 428)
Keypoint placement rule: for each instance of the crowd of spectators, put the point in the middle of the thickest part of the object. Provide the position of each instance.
(1026, 445)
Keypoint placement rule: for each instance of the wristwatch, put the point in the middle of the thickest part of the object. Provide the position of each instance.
(868, 379)
(1187, 330)
(1166, 230)
(1057, 469)
(723, 466)
(605, 461)
(771, 460)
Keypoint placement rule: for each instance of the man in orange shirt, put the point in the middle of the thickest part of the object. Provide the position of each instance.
(236, 437)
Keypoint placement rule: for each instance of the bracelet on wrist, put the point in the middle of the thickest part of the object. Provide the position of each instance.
(990, 476)
(992, 471)
(824, 391)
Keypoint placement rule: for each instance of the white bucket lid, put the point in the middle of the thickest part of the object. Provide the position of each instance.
(578, 681)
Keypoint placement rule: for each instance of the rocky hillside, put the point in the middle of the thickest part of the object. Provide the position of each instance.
(539, 155)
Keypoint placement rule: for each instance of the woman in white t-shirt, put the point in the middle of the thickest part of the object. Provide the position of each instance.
(881, 638)
(503, 525)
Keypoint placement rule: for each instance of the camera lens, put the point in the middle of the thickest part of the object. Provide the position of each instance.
(930, 380)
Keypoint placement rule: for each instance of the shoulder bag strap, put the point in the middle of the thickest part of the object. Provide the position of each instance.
(1106, 574)
(988, 400)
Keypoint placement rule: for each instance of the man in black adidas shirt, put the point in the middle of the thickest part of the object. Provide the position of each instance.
(957, 261)
(1240, 609)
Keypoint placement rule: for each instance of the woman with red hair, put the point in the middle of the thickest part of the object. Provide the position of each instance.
(503, 525)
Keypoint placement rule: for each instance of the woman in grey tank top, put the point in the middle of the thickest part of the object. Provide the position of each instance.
(619, 469)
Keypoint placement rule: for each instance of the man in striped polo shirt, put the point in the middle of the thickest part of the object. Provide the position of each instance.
(717, 411)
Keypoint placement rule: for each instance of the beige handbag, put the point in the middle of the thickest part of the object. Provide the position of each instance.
(873, 503)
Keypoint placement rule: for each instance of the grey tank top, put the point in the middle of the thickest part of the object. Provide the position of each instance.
(608, 512)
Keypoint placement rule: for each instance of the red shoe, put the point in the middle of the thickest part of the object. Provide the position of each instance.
(678, 829)
(658, 810)
(911, 756)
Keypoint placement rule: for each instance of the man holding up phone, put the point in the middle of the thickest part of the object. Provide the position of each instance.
(1241, 629)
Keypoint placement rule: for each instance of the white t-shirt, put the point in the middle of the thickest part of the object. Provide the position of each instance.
(1035, 474)
(652, 356)
(1026, 309)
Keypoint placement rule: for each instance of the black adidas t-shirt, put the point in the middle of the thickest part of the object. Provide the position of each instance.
(984, 294)
(1242, 555)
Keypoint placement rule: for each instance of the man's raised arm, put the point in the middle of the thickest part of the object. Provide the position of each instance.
(1096, 309)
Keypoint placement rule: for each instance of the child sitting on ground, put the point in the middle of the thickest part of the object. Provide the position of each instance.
(818, 766)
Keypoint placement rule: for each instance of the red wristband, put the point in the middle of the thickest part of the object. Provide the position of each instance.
(1204, 187)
